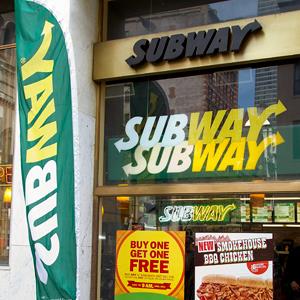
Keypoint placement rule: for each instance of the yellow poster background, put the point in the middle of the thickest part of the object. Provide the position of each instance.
(150, 262)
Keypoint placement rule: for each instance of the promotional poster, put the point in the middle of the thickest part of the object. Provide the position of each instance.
(233, 265)
(150, 265)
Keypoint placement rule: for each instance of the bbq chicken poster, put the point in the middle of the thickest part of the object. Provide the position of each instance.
(233, 266)
(150, 265)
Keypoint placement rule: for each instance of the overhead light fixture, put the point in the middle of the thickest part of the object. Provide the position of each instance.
(273, 198)
(122, 198)
(257, 200)
(7, 195)
(282, 198)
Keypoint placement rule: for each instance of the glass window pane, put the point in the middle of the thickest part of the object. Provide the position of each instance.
(241, 125)
(256, 214)
(7, 123)
(297, 79)
(131, 18)
(7, 28)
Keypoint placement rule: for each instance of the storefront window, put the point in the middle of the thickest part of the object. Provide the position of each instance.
(7, 115)
(7, 28)
(253, 214)
(234, 125)
(131, 18)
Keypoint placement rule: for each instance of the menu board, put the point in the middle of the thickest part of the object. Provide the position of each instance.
(228, 263)
(262, 214)
(298, 212)
(245, 212)
(284, 212)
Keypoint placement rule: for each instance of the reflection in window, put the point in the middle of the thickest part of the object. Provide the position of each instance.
(131, 18)
(7, 29)
(297, 79)
(7, 115)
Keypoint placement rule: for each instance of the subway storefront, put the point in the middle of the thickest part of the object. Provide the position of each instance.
(198, 151)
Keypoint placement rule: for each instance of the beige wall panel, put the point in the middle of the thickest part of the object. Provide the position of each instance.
(201, 188)
(278, 39)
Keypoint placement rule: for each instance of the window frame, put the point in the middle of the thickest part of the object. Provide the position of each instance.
(101, 190)
(7, 266)
(3, 47)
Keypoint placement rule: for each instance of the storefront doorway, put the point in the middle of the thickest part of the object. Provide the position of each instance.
(256, 214)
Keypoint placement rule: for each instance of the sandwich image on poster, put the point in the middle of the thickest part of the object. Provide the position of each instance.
(235, 266)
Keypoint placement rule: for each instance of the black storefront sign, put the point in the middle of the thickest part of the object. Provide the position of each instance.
(213, 41)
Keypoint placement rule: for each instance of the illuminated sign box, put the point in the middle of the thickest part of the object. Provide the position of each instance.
(245, 212)
(5, 174)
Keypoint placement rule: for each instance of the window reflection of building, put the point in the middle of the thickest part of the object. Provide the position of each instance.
(272, 84)
(266, 78)
(7, 115)
(267, 6)
(222, 90)
(7, 104)
(131, 18)
(275, 83)
(287, 84)
(181, 101)
(170, 20)
(266, 94)
(7, 29)
(266, 91)
(266, 86)
(208, 92)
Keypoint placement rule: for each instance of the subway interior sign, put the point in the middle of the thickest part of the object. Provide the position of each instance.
(211, 212)
(213, 41)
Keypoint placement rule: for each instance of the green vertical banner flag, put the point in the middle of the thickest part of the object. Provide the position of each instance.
(47, 155)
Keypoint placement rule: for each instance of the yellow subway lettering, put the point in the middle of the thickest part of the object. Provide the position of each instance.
(38, 63)
(207, 129)
(234, 156)
(257, 121)
(255, 151)
(44, 88)
(233, 126)
(44, 133)
(210, 153)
